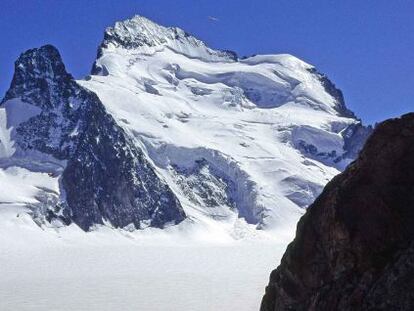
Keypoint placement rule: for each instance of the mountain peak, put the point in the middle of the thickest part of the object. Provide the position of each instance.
(139, 31)
(54, 125)
(43, 62)
(147, 37)
(36, 70)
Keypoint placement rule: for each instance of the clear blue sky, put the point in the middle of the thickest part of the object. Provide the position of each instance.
(365, 47)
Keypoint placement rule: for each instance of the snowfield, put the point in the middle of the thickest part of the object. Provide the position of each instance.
(68, 269)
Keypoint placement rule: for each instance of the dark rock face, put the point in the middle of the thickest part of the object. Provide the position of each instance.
(354, 248)
(106, 177)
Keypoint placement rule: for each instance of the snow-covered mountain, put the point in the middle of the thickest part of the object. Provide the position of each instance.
(166, 130)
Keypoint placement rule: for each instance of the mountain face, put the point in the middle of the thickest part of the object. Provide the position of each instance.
(166, 129)
(354, 247)
(103, 175)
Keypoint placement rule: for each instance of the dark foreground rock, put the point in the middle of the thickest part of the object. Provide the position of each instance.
(354, 247)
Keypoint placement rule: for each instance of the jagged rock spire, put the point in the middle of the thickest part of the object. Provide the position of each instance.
(106, 177)
(38, 72)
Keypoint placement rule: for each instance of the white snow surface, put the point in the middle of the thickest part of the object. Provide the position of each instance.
(179, 268)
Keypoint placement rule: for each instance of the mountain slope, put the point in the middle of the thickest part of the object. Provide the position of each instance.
(166, 129)
(257, 137)
(58, 127)
(354, 247)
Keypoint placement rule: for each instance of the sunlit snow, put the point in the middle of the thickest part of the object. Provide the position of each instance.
(182, 268)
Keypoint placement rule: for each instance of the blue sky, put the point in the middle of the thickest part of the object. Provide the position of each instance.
(365, 47)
